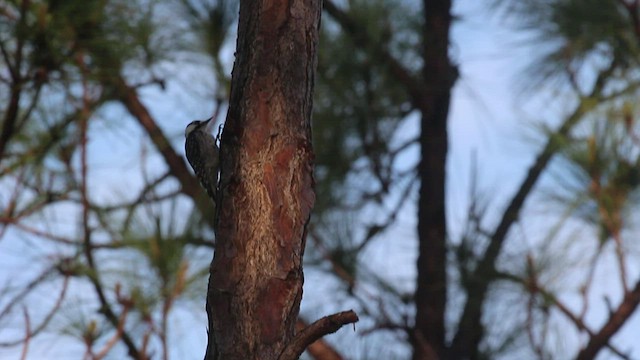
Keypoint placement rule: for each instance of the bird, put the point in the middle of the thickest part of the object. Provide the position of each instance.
(203, 154)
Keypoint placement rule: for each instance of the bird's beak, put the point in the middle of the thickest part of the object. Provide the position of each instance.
(209, 123)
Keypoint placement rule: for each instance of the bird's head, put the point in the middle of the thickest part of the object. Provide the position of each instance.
(196, 125)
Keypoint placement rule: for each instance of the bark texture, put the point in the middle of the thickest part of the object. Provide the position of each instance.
(266, 186)
(439, 76)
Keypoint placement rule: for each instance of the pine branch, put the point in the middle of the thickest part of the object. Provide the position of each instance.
(321, 327)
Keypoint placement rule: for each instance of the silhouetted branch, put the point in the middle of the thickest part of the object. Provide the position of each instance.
(46, 320)
(534, 287)
(319, 349)
(27, 330)
(11, 114)
(26, 290)
(470, 321)
(105, 307)
(321, 327)
(177, 166)
(114, 339)
(616, 320)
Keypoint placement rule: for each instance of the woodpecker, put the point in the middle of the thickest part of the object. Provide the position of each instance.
(203, 154)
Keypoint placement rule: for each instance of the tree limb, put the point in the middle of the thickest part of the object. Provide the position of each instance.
(320, 349)
(177, 166)
(564, 309)
(601, 339)
(321, 327)
(469, 333)
(11, 114)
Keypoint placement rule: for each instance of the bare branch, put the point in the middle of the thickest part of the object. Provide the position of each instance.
(114, 339)
(176, 164)
(106, 308)
(616, 320)
(11, 115)
(46, 320)
(320, 349)
(470, 321)
(321, 327)
(27, 330)
(534, 287)
(26, 290)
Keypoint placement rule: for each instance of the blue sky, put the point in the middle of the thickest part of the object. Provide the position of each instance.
(489, 121)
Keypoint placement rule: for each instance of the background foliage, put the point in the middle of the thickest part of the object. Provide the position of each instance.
(104, 251)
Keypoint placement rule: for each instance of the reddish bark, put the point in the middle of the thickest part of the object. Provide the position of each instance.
(266, 189)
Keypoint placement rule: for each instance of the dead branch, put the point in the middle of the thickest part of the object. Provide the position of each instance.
(319, 349)
(321, 327)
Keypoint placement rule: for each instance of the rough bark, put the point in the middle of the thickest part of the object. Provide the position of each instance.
(439, 76)
(266, 186)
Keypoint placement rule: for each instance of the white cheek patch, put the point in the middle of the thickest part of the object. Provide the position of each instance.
(189, 129)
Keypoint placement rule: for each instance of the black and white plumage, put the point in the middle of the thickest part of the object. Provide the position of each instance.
(203, 154)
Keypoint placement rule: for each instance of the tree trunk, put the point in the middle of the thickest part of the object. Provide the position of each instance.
(265, 194)
(439, 75)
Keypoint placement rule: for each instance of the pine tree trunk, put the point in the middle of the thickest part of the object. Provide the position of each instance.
(439, 75)
(266, 191)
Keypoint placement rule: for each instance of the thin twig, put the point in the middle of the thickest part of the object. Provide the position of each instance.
(585, 288)
(469, 324)
(11, 114)
(564, 309)
(27, 337)
(620, 255)
(116, 337)
(88, 246)
(46, 320)
(37, 232)
(26, 290)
